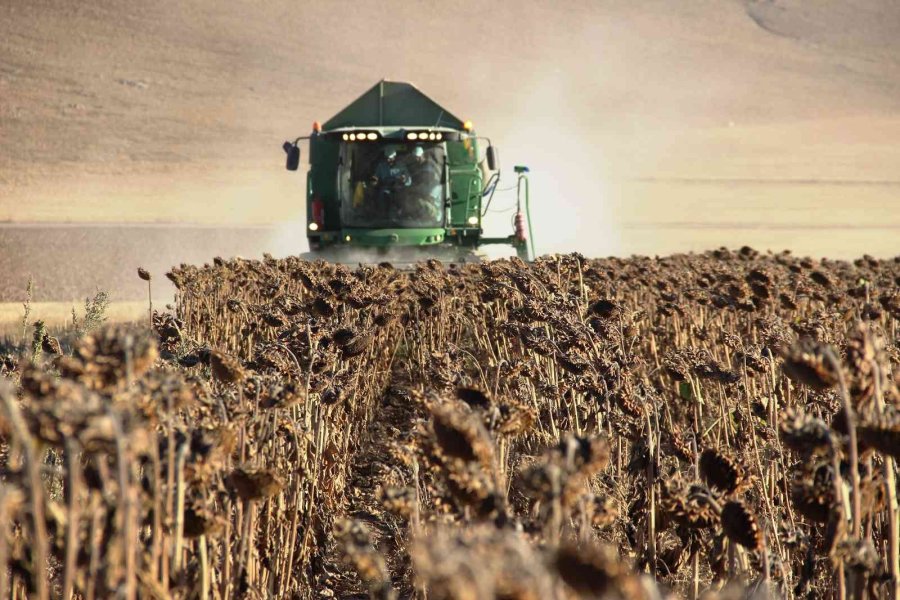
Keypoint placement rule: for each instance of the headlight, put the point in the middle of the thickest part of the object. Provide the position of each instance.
(372, 135)
(313, 226)
(473, 220)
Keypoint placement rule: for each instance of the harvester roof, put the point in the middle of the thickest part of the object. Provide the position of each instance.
(393, 104)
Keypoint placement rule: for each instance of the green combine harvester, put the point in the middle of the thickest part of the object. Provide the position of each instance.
(395, 176)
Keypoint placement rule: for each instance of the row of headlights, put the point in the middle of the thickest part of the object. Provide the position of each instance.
(360, 136)
(371, 136)
(430, 136)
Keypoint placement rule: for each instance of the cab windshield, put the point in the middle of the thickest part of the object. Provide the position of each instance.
(391, 185)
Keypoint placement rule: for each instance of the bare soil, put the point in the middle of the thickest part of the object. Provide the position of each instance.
(70, 262)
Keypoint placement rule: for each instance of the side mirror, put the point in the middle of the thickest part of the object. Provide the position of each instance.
(293, 156)
(493, 160)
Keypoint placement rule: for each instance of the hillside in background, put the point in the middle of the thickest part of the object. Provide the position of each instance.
(662, 126)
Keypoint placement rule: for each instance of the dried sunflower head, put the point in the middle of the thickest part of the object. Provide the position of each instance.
(694, 507)
(461, 435)
(582, 455)
(226, 368)
(812, 492)
(603, 511)
(741, 526)
(200, 521)
(254, 484)
(858, 554)
(593, 570)
(882, 433)
(106, 360)
(804, 433)
(513, 418)
(474, 397)
(807, 362)
(480, 562)
(723, 472)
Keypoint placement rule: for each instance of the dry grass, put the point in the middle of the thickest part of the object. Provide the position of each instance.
(58, 315)
(568, 429)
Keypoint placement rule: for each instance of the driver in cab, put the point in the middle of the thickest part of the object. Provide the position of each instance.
(426, 189)
(390, 173)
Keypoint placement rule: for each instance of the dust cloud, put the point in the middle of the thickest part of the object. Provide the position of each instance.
(288, 238)
(570, 197)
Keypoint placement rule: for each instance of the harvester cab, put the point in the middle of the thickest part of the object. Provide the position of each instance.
(396, 173)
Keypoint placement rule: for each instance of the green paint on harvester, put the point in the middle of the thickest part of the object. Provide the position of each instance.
(396, 170)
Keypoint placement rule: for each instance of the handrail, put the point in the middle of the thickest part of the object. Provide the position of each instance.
(524, 177)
